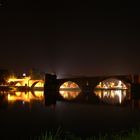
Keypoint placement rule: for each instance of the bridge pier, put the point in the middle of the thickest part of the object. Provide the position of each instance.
(135, 87)
(51, 83)
(87, 88)
(50, 89)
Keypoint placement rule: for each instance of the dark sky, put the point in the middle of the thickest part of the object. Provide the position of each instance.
(70, 37)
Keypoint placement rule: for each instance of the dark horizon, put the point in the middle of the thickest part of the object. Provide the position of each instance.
(70, 38)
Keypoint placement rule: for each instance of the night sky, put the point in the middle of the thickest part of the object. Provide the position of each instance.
(70, 38)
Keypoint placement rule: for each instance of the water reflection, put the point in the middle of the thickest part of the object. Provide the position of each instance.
(12, 97)
(3, 100)
(112, 96)
(50, 98)
(69, 94)
(69, 90)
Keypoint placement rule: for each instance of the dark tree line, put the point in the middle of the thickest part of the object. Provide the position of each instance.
(4, 75)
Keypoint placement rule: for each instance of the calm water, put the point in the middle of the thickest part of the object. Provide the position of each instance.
(24, 114)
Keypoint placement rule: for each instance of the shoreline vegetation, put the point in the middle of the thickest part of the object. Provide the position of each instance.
(133, 134)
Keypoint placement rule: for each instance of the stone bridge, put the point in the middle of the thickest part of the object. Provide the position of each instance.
(88, 84)
(51, 81)
(26, 82)
(94, 81)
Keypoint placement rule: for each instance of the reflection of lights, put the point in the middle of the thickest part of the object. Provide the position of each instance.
(10, 98)
(69, 90)
(39, 94)
(25, 97)
(111, 96)
(69, 94)
(18, 93)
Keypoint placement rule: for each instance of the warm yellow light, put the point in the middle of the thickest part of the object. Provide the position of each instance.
(40, 84)
(69, 84)
(18, 93)
(69, 95)
(26, 81)
(69, 90)
(116, 96)
(39, 94)
(18, 84)
(111, 84)
(26, 97)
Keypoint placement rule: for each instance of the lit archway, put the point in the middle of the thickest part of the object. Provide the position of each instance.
(111, 83)
(18, 84)
(69, 90)
(112, 91)
(39, 84)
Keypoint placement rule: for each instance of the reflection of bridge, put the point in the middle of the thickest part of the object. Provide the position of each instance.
(22, 97)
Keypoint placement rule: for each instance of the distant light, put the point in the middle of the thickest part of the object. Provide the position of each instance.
(24, 74)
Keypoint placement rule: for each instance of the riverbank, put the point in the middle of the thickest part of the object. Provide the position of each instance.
(134, 134)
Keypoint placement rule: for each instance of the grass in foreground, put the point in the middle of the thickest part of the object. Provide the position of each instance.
(59, 135)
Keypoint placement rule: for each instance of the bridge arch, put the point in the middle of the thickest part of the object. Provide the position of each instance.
(74, 80)
(69, 84)
(92, 82)
(112, 90)
(112, 83)
(38, 83)
(69, 90)
(16, 83)
(126, 81)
